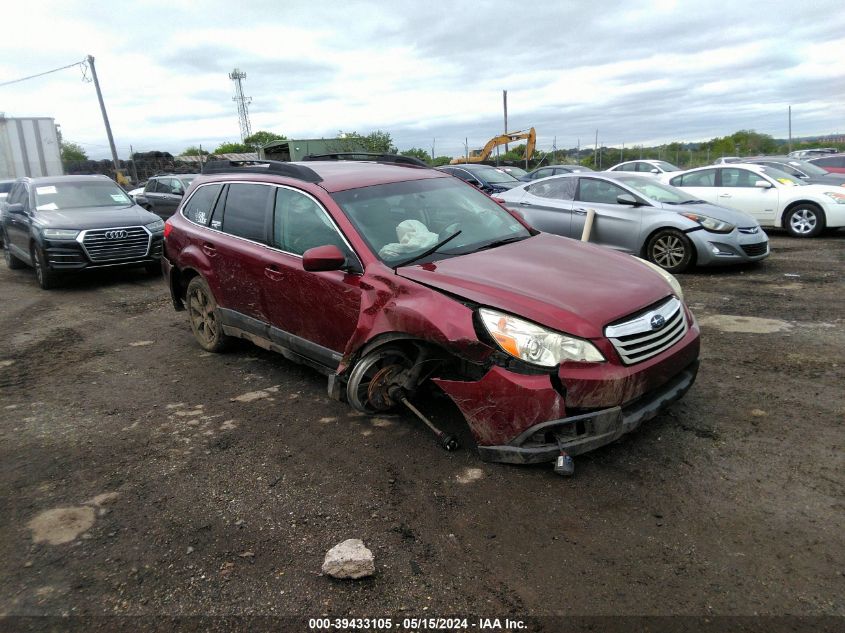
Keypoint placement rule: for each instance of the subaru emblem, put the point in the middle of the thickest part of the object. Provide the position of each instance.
(657, 322)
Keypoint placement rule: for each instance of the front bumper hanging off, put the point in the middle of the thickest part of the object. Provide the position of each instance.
(581, 433)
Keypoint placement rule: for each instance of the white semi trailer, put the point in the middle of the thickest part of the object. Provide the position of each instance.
(29, 147)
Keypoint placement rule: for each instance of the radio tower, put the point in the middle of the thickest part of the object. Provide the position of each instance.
(243, 103)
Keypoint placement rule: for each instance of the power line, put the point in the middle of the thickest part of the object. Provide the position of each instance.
(82, 64)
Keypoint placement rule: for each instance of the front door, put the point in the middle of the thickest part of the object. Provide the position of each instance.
(17, 224)
(316, 313)
(736, 190)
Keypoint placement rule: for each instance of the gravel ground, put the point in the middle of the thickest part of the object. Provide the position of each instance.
(141, 475)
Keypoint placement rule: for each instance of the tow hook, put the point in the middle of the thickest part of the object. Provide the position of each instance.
(444, 439)
(564, 465)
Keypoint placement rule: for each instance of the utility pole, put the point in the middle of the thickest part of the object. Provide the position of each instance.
(554, 151)
(466, 148)
(432, 149)
(105, 116)
(596, 151)
(134, 168)
(621, 152)
(505, 103)
(243, 103)
(790, 128)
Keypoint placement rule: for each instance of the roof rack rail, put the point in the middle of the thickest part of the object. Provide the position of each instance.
(274, 167)
(378, 157)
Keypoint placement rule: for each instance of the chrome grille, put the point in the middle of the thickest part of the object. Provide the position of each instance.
(104, 245)
(637, 339)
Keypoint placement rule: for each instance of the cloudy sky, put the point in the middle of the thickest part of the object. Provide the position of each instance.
(641, 72)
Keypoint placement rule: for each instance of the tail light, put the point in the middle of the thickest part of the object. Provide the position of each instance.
(168, 227)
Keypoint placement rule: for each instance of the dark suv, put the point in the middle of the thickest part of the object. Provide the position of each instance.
(488, 179)
(388, 276)
(62, 224)
(163, 194)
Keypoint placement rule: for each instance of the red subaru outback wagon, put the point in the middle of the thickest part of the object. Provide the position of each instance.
(385, 275)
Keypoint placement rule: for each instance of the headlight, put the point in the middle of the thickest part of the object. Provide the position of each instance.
(838, 198)
(710, 224)
(60, 234)
(669, 277)
(155, 227)
(535, 344)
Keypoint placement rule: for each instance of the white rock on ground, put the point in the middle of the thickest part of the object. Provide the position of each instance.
(349, 559)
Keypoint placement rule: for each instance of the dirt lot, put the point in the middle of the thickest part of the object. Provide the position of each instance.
(214, 484)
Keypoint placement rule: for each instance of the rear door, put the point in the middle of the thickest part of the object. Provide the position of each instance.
(701, 184)
(615, 225)
(547, 205)
(314, 313)
(238, 253)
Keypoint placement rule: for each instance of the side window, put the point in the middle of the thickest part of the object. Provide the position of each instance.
(175, 186)
(542, 173)
(300, 223)
(627, 167)
(150, 187)
(246, 213)
(18, 194)
(644, 168)
(739, 178)
(705, 178)
(557, 189)
(201, 204)
(464, 175)
(830, 161)
(598, 191)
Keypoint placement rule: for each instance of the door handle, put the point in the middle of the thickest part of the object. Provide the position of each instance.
(526, 204)
(724, 195)
(271, 272)
(580, 211)
(209, 249)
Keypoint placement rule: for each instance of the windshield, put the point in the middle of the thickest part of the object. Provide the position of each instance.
(399, 220)
(649, 188)
(6, 187)
(493, 175)
(74, 195)
(666, 166)
(782, 177)
(808, 168)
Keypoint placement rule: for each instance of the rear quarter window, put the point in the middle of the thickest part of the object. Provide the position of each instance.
(199, 207)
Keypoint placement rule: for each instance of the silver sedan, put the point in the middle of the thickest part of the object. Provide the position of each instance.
(640, 216)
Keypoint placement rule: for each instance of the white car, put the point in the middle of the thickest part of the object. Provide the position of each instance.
(772, 197)
(646, 167)
(724, 160)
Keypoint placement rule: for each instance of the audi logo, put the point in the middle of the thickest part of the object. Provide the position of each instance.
(116, 235)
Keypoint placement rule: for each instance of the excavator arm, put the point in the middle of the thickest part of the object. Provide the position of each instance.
(478, 156)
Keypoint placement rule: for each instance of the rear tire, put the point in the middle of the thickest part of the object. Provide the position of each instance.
(11, 261)
(47, 279)
(804, 220)
(671, 250)
(204, 316)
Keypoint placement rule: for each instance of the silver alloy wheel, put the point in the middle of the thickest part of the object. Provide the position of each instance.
(668, 251)
(803, 221)
(202, 315)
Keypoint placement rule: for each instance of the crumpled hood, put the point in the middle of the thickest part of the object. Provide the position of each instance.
(556, 281)
(95, 218)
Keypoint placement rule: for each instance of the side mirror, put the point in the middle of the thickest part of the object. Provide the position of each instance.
(654, 170)
(16, 208)
(627, 198)
(322, 258)
(763, 184)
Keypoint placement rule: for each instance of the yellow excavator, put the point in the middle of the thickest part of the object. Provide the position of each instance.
(480, 155)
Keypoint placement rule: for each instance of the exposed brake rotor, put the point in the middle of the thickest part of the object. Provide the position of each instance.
(378, 392)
